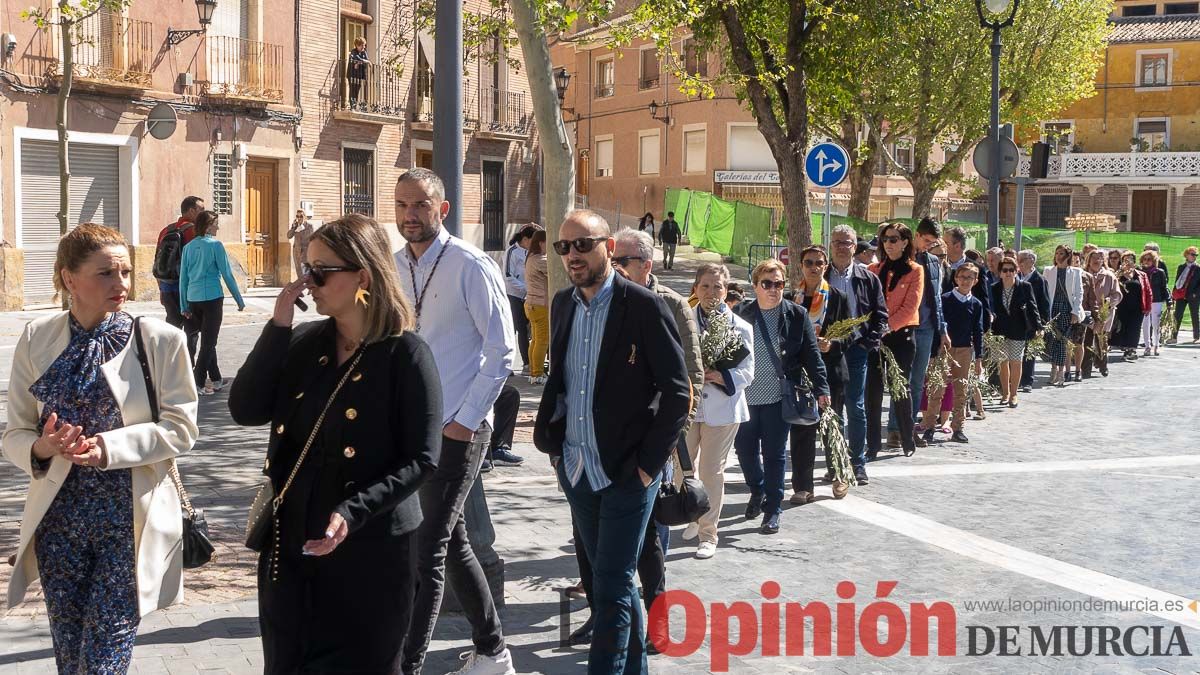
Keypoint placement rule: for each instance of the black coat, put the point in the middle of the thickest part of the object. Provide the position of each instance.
(798, 350)
(1022, 318)
(1040, 295)
(640, 362)
(868, 293)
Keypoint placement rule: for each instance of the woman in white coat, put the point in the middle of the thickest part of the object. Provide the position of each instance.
(721, 407)
(1064, 286)
(102, 525)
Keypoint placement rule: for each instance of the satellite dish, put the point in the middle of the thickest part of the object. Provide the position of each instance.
(162, 121)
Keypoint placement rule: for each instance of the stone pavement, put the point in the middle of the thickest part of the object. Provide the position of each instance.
(1083, 493)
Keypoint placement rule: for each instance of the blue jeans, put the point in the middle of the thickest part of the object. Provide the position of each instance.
(761, 445)
(612, 525)
(857, 357)
(667, 476)
(922, 343)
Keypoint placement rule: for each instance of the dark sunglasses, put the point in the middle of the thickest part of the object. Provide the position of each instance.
(814, 263)
(624, 260)
(317, 272)
(890, 239)
(1007, 270)
(767, 284)
(582, 244)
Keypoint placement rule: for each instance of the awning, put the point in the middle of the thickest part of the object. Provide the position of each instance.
(426, 42)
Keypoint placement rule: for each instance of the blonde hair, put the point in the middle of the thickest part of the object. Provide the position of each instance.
(762, 268)
(362, 242)
(78, 245)
(1149, 253)
(360, 41)
(1191, 250)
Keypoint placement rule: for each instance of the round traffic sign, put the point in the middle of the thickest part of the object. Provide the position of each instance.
(162, 121)
(826, 164)
(783, 256)
(1009, 157)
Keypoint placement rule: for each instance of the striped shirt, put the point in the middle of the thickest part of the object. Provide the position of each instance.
(764, 389)
(581, 452)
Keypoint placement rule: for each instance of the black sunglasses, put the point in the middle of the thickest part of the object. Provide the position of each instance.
(582, 244)
(624, 260)
(767, 284)
(890, 239)
(814, 263)
(317, 272)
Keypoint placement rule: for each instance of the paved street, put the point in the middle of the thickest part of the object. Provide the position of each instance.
(1083, 494)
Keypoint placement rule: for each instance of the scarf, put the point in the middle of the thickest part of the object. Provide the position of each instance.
(820, 303)
(73, 385)
(892, 271)
(1182, 281)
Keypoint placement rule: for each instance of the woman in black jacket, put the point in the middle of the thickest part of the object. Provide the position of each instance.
(783, 334)
(336, 575)
(1016, 321)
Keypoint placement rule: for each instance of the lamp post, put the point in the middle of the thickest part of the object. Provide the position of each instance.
(205, 9)
(995, 9)
(654, 106)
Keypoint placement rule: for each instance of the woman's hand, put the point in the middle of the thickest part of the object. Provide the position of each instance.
(335, 534)
(58, 439)
(90, 454)
(285, 304)
(713, 377)
(823, 401)
(824, 345)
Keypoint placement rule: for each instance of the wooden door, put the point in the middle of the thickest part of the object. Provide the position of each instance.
(261, 228)
(1149, 211)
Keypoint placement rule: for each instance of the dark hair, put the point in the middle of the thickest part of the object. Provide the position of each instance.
(958, 234)
(431, 180)
(189, 203)
(205, 220)
(670, 214)
(966, 266)
(905, 234)
(734, 292)
(929, 226)
(815, 248)
(1063, 248)
(972, 255)
(1008, 260)
(78, 245)
(537, 242)
(523, 233)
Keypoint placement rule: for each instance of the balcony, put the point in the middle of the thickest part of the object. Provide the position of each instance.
(243, 71)
(648, 82)
(112, 52)
(504, 115)
(367, 93)
(1097, 166)
(422, 118)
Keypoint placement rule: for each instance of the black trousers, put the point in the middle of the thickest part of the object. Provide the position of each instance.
(521, 323)
(903, 348)
(1192, 303)
(651, 566)
(504, 414)
(803, 443)
(170, 303)
(1027, 372)
(207, 315)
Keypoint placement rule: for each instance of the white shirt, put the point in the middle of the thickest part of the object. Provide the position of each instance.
(514, 270)
(466, 320)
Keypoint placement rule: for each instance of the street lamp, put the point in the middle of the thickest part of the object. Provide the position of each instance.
(666, 118)
(561, 79)
(205, 9)
(995, 10)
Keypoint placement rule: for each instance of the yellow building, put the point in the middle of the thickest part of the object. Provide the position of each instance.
(1133, 149)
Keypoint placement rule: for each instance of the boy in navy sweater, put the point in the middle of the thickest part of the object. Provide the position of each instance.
(964, 324)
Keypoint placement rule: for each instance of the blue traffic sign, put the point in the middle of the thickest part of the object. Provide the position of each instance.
(826, 164)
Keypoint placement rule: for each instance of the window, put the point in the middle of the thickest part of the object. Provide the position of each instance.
(1181, 8)
(222, 184)
(1152, 134)
(1138, 10)
(648, 153)
(1154, 69)
(695, 150)
(904, 155)
(649, 77)
(1053, 210)
(695, 59)
(879, 210)
(604, 78)
(604, 157)
(358, 181)
(1060, 136)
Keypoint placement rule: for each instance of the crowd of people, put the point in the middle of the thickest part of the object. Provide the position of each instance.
(383, 416)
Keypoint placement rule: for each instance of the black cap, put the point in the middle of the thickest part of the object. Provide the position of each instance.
(864, 246)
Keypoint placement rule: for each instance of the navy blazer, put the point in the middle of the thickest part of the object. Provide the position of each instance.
(642, 394)
(1040, 296)
(798, 350)
(1022, 318)
(981, 290)
(868, 293)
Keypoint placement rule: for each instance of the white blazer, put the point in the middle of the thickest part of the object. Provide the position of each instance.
(717, 408)
(1074, 288)
(140, 445)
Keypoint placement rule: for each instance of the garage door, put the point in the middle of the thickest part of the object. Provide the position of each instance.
(95, 198)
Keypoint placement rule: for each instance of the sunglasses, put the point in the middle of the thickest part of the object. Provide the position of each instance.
(767, 285)
(1008, 270)
(814, 263)
(317, 272)
(890, 239)
(623, 261)
(582, 244)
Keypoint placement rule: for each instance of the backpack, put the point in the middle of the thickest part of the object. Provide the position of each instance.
(168, 254)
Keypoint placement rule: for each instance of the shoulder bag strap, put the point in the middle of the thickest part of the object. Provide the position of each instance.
(152, 394)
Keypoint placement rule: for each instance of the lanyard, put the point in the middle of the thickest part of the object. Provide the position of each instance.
(420, 297)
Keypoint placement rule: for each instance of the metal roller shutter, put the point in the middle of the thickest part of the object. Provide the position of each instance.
(95, 198)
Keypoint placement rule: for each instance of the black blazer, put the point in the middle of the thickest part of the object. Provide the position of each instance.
(798, 345)
(375, 457)
(1193, 287)
(1040, 296)
(642, 394)
(868, 293)
(1014, 322)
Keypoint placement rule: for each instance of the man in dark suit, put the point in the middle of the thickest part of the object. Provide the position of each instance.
(1027, 271)
(609, 418)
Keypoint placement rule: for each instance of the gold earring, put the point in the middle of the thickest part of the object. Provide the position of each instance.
(360, 296)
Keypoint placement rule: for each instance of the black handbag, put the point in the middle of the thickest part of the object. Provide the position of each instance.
(686, 503)
(197, 547)
(799, 406)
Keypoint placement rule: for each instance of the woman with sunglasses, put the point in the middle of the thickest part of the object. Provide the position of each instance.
(202, 266)
(1129, 312)
(355, 408)
(784, 335)
(1016, 321)
(903, 283)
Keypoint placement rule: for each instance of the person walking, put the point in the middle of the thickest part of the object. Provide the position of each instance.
(646, 222)
(1027, 272)
(167, 257)
(1064, 285)
(669, 236)
(101, 525)
(1016, 321)
(1105, 289)
(514, 285)
(462, 312)
(1129, 313)
(785, 350)
(300, 231)
(608, 441)
(354, 407)
(201, 300)
(1152, 326)
(964, 322)
(1186, 292)
(929, 337)
(537, 307)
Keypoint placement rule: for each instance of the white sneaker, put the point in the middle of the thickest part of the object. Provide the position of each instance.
(706, 550)
(691, 532)
(479, 664)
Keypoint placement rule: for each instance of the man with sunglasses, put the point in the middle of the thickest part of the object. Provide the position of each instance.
(609, 418)
(462, 311)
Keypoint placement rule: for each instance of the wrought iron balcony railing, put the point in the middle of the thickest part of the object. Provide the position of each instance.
(367, 88)
(236, 68)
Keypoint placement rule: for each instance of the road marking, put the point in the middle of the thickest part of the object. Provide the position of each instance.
(1156, 475)
(911, 470)
(1051, 571)
(1145, 387)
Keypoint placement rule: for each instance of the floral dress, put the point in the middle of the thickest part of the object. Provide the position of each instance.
(84, 544)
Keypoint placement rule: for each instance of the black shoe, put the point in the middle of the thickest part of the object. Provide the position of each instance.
(503, 456)
(828, 477)
(919, 438)
(486, 466)
(583, 635)
(770, 524)
(860, 475)
(872, 454)
(1026, 388)
(1104, 372)
(754, 508)
(959, 437)
(1012, 404)
(926, 438)
(1078, 377)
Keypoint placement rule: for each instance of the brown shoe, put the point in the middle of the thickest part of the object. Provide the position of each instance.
(918, 439)
(840, 489)
(801, 498)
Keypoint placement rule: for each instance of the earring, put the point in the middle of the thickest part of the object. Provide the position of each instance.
(360, 296)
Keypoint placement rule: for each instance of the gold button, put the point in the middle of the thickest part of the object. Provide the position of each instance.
(323, 360)
(351, 413)
(349, 452)
(356, 377)
(279, 429)
(299, 396)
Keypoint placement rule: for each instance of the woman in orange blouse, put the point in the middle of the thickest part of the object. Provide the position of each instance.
(903, 283)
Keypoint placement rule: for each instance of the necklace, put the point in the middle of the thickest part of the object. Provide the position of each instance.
(419, 300)
(346, 345)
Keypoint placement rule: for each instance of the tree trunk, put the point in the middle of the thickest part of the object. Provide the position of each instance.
(558, 165)
(66, 28)
(861, 172)
(923, 191)
(794, 187)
